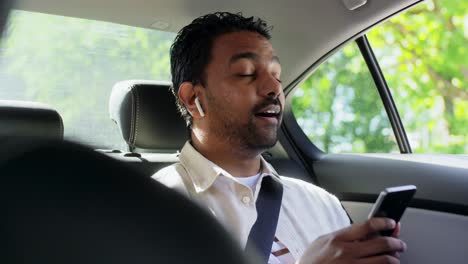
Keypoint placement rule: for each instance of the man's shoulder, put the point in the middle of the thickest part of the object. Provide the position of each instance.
(308, 193)
(172, 177)
(299, 194)
(298, 187)
(166, 171)
(301, 187)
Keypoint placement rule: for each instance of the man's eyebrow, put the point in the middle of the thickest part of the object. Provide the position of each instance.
(245, 55)
(250, 56)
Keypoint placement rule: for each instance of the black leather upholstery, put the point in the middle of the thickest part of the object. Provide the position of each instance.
(147, 116)
(29, 119)
(64, 203)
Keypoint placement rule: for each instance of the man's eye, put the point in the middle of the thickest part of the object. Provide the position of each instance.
(246, 75)
(250, 77)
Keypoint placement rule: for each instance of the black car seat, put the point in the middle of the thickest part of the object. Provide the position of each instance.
(146, 114)
(29, 119)
(64, 203)
(148, 119)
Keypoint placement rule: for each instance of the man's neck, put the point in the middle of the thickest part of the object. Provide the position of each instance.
(238, 162)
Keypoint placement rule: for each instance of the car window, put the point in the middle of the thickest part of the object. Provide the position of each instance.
(72, 64)
(423, 54)
(339, 108)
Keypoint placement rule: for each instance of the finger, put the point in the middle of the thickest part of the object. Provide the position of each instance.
(395, 254)
(362, 230)
(380, 259)
(378, 246)
(396, 232)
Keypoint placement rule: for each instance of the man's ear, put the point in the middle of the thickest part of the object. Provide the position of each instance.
(187, 95)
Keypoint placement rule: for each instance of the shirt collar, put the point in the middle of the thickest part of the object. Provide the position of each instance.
(204, 172)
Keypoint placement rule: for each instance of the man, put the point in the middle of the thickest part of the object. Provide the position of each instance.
(226, 79)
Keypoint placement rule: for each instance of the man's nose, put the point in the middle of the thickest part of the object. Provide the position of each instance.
(270, 87)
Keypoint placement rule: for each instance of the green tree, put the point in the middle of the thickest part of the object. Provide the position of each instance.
(429, 72)
(424, 57)
(330, 107)
(73, 63)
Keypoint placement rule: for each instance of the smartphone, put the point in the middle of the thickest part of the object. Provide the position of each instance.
(392, 203)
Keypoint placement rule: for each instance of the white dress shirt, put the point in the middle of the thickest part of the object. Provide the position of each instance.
(306, 213)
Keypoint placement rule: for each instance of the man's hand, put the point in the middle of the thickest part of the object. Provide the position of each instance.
(358, 243)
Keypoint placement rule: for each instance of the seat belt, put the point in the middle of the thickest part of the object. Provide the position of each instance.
(268, 207)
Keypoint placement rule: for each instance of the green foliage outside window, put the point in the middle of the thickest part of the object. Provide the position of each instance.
(72, 64)
(339, 107)
(424, 56)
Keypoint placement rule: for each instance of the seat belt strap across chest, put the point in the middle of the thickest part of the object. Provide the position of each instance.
(268, 206)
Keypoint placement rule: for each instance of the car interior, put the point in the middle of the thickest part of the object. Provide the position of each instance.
(66, 202)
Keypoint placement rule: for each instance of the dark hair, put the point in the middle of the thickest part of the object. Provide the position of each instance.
(191, 50)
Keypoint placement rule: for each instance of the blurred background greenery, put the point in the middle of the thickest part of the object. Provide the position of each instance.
(423, 54)
(72, 64)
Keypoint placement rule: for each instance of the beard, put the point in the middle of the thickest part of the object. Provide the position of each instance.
(248, 135)
(260, 139)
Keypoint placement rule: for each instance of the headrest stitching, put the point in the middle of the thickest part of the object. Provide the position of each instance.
(132, 123)
(137, 114)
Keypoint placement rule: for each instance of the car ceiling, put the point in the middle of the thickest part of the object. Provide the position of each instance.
(304, 30)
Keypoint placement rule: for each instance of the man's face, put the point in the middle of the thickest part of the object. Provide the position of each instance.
(244, 96)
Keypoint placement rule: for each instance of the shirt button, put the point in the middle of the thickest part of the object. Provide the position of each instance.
(246, 199)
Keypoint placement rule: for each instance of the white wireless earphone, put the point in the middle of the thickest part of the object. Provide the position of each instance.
(200, 109)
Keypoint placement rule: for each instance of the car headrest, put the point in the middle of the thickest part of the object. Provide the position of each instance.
(147, 115)
(65, 203)
(29, 119)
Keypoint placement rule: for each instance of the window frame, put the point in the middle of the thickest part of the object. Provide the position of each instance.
(385, 94)
(292, 138)
(291, 127)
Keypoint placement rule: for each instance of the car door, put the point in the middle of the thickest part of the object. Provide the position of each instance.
(368, 119)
